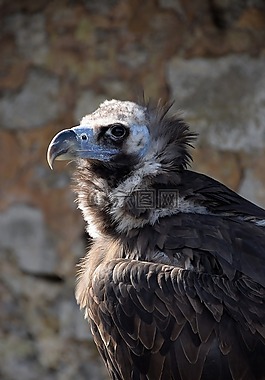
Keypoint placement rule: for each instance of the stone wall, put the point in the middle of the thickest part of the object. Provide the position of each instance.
(59, 60)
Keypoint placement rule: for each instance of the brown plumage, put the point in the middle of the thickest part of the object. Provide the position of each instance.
(174, 281)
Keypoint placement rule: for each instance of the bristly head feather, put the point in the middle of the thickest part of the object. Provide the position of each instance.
(156, 146)
(151, 147)
(156, 143)
(171, 137)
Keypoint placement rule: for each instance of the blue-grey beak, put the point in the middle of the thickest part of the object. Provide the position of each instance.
(77, 142)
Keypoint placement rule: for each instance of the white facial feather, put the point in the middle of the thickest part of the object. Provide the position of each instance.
(115, 111)
(138, 141)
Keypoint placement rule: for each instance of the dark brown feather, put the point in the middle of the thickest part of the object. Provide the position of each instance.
(180, 296)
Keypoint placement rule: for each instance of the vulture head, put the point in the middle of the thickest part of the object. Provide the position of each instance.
(122, 136)
(120, 149)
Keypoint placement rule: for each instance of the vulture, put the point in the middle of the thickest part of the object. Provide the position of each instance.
(173, 284)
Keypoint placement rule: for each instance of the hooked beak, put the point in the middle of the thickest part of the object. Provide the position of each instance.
(77, 142)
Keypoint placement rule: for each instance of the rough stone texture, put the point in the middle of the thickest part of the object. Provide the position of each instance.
(253, 177)
(221, 165)
(22, 231)
(87, 103)
(22, 109)
(224, 99)
(59, 59)
(29, 33)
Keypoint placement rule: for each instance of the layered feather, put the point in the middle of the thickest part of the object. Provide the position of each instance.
(171, 293)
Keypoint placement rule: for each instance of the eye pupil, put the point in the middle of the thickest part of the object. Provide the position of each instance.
(118, 131)
(84, 136)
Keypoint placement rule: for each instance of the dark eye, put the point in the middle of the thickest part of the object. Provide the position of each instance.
(118, 131)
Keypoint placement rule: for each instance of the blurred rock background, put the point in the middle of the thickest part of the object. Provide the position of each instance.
(59, 60)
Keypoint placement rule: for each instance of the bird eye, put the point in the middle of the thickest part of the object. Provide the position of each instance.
(118, 131)
(84, 136)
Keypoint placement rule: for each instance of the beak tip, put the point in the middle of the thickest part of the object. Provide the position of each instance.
(62, 147)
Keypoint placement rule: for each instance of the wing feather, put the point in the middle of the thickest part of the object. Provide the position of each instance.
(173, 327)
(185, 322)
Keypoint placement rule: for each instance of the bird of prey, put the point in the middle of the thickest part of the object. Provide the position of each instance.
(173, 284)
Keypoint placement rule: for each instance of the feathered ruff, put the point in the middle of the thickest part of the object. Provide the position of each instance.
(171, 137)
